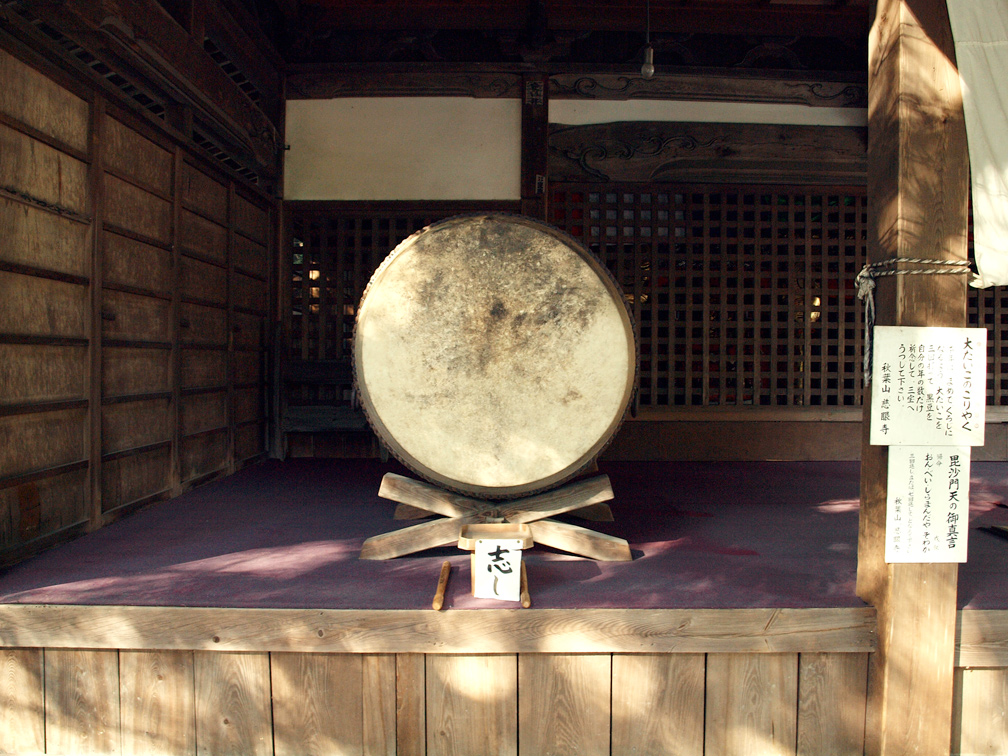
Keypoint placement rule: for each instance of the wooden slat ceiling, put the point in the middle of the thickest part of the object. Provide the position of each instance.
(810, 34)
(829, 18)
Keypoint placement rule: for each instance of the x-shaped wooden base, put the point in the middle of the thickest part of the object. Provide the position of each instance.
(459, 510)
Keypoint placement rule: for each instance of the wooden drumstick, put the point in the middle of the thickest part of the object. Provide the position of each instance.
(442, 583)
(526, 599)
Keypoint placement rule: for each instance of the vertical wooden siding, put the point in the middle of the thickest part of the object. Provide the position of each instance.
(183, 702)
(134, 296)
(980, 711)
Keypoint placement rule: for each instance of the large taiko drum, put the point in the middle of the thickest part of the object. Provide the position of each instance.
(493, 355)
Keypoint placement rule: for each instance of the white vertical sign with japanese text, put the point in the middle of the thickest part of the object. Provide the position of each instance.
(497, 569)
(928, 386)
(927, 504)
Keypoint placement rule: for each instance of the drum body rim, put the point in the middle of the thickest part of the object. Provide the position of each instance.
(531, 487)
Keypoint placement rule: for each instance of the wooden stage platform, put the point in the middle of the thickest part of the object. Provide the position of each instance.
(238, 619)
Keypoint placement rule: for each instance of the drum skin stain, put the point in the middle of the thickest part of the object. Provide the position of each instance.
(572, 396)
(499, 302)
(486, 352)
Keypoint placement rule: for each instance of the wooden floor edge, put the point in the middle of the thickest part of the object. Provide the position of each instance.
(981, 638)
(483, 631)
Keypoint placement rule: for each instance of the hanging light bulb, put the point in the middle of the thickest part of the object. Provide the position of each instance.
(647, 70)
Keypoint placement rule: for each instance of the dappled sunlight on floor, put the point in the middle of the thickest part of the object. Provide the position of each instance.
(703, 535)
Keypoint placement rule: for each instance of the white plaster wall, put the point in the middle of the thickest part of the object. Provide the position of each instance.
(399, 148)
(583, 112)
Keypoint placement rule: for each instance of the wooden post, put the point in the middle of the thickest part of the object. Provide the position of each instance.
(230, 466)
(534, 153)
(96, 183)
(917, 187)
(175, 471)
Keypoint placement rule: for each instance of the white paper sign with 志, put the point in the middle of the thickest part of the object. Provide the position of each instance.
(927, 504)
(497, 569)
(928, 386)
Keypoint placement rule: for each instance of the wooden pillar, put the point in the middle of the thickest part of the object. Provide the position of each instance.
(96, 184)
(917, 187)
(534, 136)
(281, 273)
(230, 464)
(175, 469)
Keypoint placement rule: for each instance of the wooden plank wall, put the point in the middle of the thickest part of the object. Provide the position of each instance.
(980, 684)
(167, 702)
(187, 702)
(980, 711)
(184, 681)
(46, 245)
(134, 293)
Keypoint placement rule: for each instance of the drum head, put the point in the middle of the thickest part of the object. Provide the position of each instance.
(493, 355)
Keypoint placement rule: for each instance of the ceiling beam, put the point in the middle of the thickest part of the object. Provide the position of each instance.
(762, 17)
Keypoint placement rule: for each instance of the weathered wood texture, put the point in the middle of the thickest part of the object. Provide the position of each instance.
(831, 695)
(121, 287)
(82, 701)
(32, 169)
(157, 692)
(411, 704)
(22, 701)
(33, 99)
(980, 712)
(379, 703)
(183, 703)
(317, 703)
(640, 697)
(982, 638)
(658, 703)
(564, 703)
(404, 632)
(682, 436)
(918, 190)
(233, 713)
(746, 153)
(174, 66)
(472, 705)
(751, 704)
(670, 687)
(401, 81)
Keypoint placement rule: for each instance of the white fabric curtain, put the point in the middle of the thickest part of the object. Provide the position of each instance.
(980, 30)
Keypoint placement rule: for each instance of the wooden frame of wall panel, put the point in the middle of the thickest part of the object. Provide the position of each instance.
(401, 682)
(169, 58)
(424, 682)
(490, 631)
(49, 249)
(126, 395)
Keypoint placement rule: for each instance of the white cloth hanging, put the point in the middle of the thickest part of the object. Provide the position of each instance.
(980, 31)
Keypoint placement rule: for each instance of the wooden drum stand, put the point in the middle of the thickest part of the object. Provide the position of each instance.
(418, 500)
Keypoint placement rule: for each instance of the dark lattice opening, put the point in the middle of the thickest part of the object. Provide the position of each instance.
(333, 254)
(742, 295)
(232, 70)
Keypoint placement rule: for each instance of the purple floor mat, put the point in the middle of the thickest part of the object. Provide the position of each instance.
(703, 535)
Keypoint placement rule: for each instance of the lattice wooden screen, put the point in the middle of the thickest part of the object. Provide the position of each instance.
(334, 252)
(743, 295)
(989, 308)
(333, 258)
